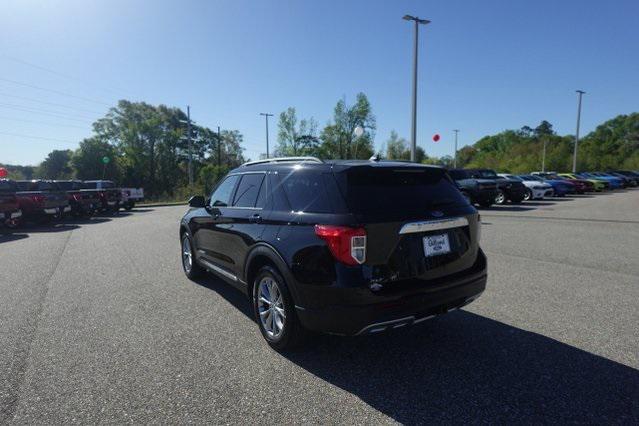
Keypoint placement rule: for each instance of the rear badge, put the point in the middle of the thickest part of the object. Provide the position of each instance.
(436, 213)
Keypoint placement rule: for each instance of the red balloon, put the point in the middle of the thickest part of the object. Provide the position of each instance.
(3, 172)
(436, 137)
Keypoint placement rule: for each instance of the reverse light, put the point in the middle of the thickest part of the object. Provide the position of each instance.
(347, 245)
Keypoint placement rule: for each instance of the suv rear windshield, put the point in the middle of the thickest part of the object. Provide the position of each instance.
(459, 174)
(483, 174)
(398, 190)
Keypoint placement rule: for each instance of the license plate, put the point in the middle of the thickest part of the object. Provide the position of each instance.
(434, 245)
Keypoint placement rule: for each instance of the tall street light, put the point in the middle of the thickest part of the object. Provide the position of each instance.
(413, 133)
(455, 156)
(574, 158)
(266, 115)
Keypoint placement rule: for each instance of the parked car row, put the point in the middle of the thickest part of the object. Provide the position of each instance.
(43, 201)
(486, 187)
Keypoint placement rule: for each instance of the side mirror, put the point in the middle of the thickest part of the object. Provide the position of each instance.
(197, 201)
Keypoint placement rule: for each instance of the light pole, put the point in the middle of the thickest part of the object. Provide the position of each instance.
(543, 156)
(266, 115)
(188, 138)
(413, 130)
(574, 158)
(455, 156)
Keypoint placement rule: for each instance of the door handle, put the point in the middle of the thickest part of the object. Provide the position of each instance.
(256, 218)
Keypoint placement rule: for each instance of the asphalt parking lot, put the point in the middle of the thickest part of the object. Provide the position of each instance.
(99, 324)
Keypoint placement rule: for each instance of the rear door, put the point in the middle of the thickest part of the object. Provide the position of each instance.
(417, 223)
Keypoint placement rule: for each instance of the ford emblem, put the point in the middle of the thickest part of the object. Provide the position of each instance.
(436, 213)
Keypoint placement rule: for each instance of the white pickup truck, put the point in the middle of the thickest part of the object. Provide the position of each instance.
(130, 196)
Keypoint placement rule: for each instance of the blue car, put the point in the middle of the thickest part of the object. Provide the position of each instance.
(561, 187)
(615, 183)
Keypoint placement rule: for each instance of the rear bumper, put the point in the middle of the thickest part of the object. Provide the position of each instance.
(56, 210)
(394, 310)
(10, 215)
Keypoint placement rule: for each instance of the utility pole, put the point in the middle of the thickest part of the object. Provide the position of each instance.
(574, 158)
(455, 156)
(413, 128)
(266, 115)
(543, 156)
(188, 135)
(219, 147)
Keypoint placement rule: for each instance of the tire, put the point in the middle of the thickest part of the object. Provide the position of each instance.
(287, 333)
(500, 198)
(128, 206)
(528, 195)
(189, 265)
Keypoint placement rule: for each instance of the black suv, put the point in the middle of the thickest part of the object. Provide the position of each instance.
(343, 247)
(507, 189)
(476, 190)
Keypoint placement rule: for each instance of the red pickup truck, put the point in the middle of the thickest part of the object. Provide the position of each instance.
(41, 200)
(83, 202)
(10, 212)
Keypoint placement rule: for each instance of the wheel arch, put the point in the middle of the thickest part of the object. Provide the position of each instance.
(264, 254)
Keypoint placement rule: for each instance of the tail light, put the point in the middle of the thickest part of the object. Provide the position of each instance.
(347, 245)
(38, 199)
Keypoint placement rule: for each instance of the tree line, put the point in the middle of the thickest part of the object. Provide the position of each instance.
(147, 146)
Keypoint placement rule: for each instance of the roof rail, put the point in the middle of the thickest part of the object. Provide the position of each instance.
(284, 160)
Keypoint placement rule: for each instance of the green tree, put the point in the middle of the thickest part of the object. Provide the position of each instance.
(294, 140)
(87, 162)
(339, 139)
(56, 165)
(398, 149)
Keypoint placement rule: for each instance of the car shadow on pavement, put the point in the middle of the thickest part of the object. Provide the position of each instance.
(466, 368)
(52, 227)
(539, 203)
(7, 236)
(506, 208)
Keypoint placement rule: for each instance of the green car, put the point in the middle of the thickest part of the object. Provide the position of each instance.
(599, 185)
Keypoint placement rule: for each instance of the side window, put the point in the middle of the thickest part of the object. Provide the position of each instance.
(221, 197)
(306, 192)
(248, 190)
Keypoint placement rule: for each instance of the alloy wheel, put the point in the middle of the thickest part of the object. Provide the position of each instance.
(500, 198)
(270, 307)
(187, 255)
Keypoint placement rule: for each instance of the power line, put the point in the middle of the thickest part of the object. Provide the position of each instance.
(43, 112)
(54, 91)
(37, 137)
(59, 74)
(41, 122)
(49, 103)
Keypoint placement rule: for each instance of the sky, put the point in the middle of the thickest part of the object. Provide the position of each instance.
(484, 66)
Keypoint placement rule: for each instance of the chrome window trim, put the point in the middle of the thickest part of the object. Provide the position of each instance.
(433, 225)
